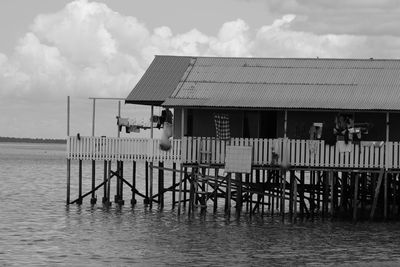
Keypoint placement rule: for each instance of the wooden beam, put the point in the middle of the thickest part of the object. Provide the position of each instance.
(377, 189)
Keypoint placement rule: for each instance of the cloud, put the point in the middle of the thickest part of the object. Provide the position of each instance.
(87, 49)
(356, 17)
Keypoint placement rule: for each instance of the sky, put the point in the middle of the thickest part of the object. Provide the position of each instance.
(51, 49)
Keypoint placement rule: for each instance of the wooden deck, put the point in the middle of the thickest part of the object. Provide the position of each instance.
(266, 152)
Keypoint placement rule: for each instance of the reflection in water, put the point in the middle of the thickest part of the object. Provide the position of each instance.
(37, 228)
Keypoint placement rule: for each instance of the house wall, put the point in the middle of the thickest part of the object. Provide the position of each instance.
(270, 124)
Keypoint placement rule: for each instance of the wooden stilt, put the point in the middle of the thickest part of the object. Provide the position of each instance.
(80, 183)
(332, 184)
(283, 194)
(161, 184)
(291, 194)
(239, 200)
(68, 181)
(117, 185)
(385, 195)
(133, 199)
(109, 183)
(180, 189)
(355, 198)
(294, 199)
(105, 200)
(228, 194)
(264, 191)
(216, 187)
(121, 184)
(146, 180)
(377, 189)
(301, 189)
(173, 183)
(151, 184)
(185, 188)
(93, 199)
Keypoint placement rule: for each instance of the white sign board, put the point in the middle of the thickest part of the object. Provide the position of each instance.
(238, 159)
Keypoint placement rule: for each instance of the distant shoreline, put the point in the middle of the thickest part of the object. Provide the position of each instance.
(32, 140)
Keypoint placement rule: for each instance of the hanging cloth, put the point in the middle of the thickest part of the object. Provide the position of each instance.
(222, 126)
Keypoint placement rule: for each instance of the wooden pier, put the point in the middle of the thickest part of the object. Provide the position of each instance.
(293, 179)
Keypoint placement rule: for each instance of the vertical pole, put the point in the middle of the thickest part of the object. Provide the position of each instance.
(332, 182)
(283, 193)
(228, 194)
(238, 177)
(173, 184)
(185, 188)
(161, 184)
(151, 122)
(295, 199)
(119, 115)
(133, 200)
(285, 125)
(68, 160)
(105, 200)
(151, 184)
(302, 193)
(291, 194)
(93, 199)
(180, 189)
(146, 180)
(121, 183)
(80, 183)
(68, 180)
(216, 171)
(109, 183)
(356, 182)
(385, 200)
(387, 140)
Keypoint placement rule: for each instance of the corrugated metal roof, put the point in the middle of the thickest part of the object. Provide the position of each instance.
(287, 83)
(159, 80)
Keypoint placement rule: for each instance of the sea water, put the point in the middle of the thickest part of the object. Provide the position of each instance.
(37, 228)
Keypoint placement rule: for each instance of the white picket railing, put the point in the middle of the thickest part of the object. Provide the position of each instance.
(300, 153)
(114, 148)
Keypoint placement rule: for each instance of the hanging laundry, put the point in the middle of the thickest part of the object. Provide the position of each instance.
(222, 126)
(343, 146)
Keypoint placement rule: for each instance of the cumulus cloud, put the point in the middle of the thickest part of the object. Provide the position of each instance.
(356, 17)
(87, 49)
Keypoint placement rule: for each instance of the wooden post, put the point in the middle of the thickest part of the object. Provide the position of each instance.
(216, 190)
(80, 183)
(294, 199)
(185, 188)
(93, 199)
(356, 182)
(263, 196)
(291, 194)
(285, 125)
(117, 184)
(104, 200)
(68, 180)
(151, 122)
(377, 189)
(302, 193)
(332, 182)
(161, 184)
(180, 189)
(119, 115)
(68, 160)
(173, 184)
(151, 184)
(146, 179)
(239, 200)
(109, 183)
(283, 193)
(133, 200)
(228, 194)
(121, 183)
(385, 200)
